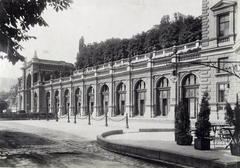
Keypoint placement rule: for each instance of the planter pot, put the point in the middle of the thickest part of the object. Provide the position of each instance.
(202, 144)
(184, 139)
(235, 149)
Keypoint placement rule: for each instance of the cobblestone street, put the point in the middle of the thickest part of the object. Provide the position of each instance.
(52, 144)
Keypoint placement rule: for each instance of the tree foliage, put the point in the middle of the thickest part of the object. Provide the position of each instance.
(182, 121)
(230, 117)
(164, 35)
(236, 135)
(203, 126)
(16, 19)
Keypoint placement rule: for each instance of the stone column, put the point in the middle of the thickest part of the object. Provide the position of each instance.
(96, 100)
(83, 102)
(129, 103)
(111, 99)
(60, 97)
(51, 98)
(32, 100)
(149, 93)
(71, 99)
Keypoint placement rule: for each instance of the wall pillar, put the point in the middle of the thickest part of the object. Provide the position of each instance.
(149, 99)
(83, 102)
(96, 100)
(128, 106)
(111, 99)
(60, 98)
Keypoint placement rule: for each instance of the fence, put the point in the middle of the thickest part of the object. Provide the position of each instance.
(51, 116)
(26, 116)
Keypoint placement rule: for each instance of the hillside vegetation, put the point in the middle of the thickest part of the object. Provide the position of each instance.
(163, 35)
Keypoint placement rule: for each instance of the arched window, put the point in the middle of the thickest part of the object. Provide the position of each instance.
(104, 100)
(77, 101)
(191, 93)
(140, 98)
(90, 100)
(120, 99)
(162, 97)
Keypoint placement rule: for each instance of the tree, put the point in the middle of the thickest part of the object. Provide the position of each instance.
(236, 135)
(182, 122)
(203, 126)
(230, 117)
(16, 18)
(164, 35)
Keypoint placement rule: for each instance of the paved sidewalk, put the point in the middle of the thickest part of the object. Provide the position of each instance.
(161, 145)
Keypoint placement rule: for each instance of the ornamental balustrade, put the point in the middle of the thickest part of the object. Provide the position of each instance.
(159, 58)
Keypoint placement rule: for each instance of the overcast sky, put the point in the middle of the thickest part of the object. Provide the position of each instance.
(96, 21)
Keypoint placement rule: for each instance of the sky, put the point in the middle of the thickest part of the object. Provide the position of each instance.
(96, 21)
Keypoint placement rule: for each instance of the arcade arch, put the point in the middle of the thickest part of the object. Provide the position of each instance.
(78, 101)
(162, 97)
(66, 102)
(48, 102)
(28, 93)
(35, 102)
(139, 98)
(90, 100)
(104, 99)
(190, 93)
(56, 101)
(120, 99)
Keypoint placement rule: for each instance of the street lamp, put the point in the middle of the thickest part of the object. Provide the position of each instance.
(174, 77)
(175, 74)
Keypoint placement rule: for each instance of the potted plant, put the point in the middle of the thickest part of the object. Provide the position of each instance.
(182, 125)
(203, 126)
(230, 116)
(233, 118)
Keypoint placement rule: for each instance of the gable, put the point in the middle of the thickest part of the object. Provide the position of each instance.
(223, 4)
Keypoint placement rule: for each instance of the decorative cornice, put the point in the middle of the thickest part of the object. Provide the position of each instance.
(223, 4)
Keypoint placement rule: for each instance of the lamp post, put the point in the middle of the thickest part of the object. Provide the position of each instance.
(174, 60)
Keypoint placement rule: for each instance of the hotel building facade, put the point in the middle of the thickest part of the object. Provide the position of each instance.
(148, 85)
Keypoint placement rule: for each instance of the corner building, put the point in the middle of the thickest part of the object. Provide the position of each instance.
(143, 86)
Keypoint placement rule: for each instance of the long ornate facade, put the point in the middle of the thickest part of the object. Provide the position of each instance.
(147, 85)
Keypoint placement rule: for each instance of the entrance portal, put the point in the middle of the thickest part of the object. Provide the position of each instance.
(139, 98)
(190, 93)
(162, 97)
(120, 99)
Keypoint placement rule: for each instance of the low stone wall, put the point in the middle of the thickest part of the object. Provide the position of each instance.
(156, 130)
(169, 158)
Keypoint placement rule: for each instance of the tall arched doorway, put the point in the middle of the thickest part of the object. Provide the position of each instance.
(90, 100)
(48, 102)
(140, 98)
(35, 102)
(56, 102)
(162, 97)
(28, 92)
(120, 99)
(104, 100)
(66, 102)
(77, 101)
(190, 92)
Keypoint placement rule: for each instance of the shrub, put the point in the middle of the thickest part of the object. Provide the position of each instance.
(229, 118)
(182, 121)
(203, 126)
